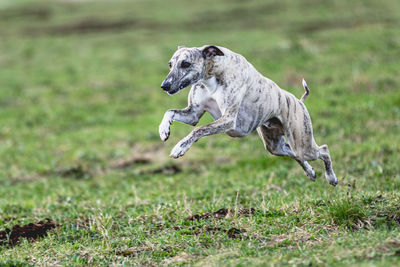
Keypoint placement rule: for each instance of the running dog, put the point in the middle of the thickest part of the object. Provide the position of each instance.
(240, 100)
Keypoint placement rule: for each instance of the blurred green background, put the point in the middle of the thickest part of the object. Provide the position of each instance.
(81, 102)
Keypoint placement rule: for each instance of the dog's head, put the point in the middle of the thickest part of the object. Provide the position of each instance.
(188, 66)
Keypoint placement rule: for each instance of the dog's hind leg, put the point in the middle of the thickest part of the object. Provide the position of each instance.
(307, 169)
(274, 142)
(329, 173)
(322, 152)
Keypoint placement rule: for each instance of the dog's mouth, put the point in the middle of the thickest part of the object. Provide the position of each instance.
(173, 92)
(183, 85)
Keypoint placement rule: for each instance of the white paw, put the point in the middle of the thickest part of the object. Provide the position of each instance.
(163, 130)
(331, 178)
(179, 150)
(309, 171)
(311, 174)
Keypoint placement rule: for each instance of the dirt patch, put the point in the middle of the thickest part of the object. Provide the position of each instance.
(132, 252)
(90, 25)
(247, 211)
(167, 170)
(77, 172)
(235, 233)
(136, 251)
(220, 214)
(149, 160)
(140, 155)
(126, 163)
(391, 218)
(31, 231)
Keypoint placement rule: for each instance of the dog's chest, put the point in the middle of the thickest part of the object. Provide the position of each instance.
(211, 106)
(215, 98)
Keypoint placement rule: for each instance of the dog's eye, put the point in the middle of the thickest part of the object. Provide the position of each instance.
(169, 64)
(185, 64)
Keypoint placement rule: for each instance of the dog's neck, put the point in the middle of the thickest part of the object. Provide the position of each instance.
(211, 84)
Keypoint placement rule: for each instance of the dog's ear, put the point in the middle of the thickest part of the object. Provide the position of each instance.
(181, 46)
(211, 51)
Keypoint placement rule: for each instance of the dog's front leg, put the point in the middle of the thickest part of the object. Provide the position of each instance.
(222, 125)
(189, 115)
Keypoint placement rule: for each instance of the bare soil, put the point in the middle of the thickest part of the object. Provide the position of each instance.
(31, 231)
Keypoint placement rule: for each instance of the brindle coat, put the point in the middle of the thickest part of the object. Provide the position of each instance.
(240, 100)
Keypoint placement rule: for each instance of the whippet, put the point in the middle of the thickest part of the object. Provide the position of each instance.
(240, 100)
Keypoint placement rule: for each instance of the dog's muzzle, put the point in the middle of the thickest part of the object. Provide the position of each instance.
(170, 89)
(166, 86)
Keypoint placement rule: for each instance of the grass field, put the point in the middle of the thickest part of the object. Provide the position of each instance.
(79, 146)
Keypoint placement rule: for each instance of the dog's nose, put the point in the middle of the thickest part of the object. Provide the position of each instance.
(166, 86)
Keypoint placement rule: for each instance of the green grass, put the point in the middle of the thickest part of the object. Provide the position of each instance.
(80, 109)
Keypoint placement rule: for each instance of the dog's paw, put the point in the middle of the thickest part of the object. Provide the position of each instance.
(164, 130)
(309, 171)
(334, 183)
(311, 174)
(331, 178)
(179, 150)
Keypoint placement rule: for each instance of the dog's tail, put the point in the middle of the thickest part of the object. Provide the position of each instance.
(306, 93)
